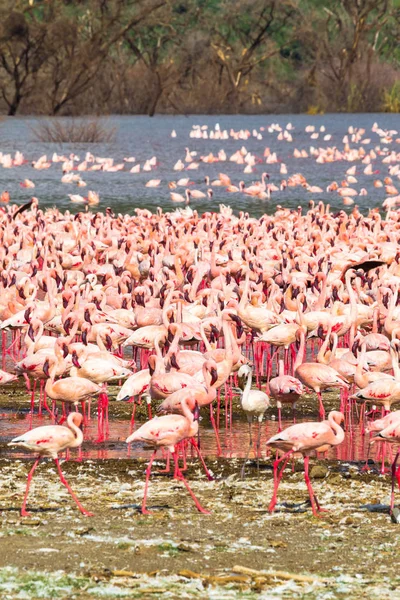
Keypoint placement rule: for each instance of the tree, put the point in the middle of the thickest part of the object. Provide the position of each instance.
(80, 45)
(22, 55)
(245, 35)
(160, 45)
(349, 38)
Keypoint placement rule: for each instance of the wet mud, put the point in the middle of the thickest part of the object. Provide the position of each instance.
(238, 551)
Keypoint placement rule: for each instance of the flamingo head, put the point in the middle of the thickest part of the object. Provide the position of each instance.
(46, 366)
(65, 350)
(109, 342)
(196, 412)
(31, 333)
(174, 362)
(75, 360)
(67, 325)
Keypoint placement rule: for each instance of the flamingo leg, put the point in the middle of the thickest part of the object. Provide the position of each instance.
(321, 407)
(47, 407)
(309, 487)
(215, 430)
(167, 465)
(393, 479)
(279, 419)
(277, 478)
(71, 493)
(149, 414)
(146, 487)
(24, 513)
(181, 477)
(258, 445)
(132, 424)
(248, 449)
(199, 454)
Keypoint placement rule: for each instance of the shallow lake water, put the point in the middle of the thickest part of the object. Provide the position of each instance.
(143, 138)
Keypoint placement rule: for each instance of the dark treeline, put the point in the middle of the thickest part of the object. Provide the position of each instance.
(66, 57)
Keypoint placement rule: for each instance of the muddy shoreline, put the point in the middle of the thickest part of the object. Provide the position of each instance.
(57, 552)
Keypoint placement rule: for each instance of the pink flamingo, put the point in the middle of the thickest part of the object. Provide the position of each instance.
(50, 440)
(314, 375)
(304, 438)
(285, 389)
(167, 432)
(392, 434)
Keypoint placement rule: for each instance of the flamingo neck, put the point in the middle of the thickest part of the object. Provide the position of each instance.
(339, 433)
(76, 430)
(395, 363)
(300, 354)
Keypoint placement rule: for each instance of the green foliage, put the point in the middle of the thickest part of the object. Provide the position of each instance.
(391, 99)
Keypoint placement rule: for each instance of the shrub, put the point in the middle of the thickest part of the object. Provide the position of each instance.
(73, 131)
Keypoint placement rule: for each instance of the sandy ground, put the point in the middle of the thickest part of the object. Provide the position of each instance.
(350, 551)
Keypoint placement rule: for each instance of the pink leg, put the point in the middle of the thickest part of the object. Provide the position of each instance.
(28, 483)
(181, 477)
(309, 486)
(279, 419)
(149, 415)
(199, 454)
(146, 487)
(277, 478)
(321, 406)
(393, 478)
(65, 482)
(47, 407)
(132, 424)
(215, 430)
(167, 464)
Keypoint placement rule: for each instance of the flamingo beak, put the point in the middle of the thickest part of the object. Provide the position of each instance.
(87, 316)
(65, 350)
(75, 361)
(31, 333)
(109, 343)
(196, 412)
(67, 326)
(214, 375)
(27, 314)
(174, 362)
(46, 365)
(84, 337)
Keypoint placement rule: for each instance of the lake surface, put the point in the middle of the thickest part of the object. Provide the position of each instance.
(143, 138)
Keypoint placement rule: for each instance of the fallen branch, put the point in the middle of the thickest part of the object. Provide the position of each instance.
(278, 575)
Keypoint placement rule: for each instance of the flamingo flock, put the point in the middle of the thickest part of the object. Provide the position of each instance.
(185, 310)
(255, 166)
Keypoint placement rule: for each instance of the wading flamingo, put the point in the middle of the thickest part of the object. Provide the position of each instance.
(305, 438)
(254, 403)
(50, 440)
(167, 432)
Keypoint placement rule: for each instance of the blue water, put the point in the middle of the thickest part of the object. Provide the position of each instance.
(144, 137)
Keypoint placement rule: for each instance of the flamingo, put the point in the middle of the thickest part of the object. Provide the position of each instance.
(167, 432)
(285, 389)
(255, 404)
(305, 438)
(50, 440)
(314, 375)
(392, 434)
